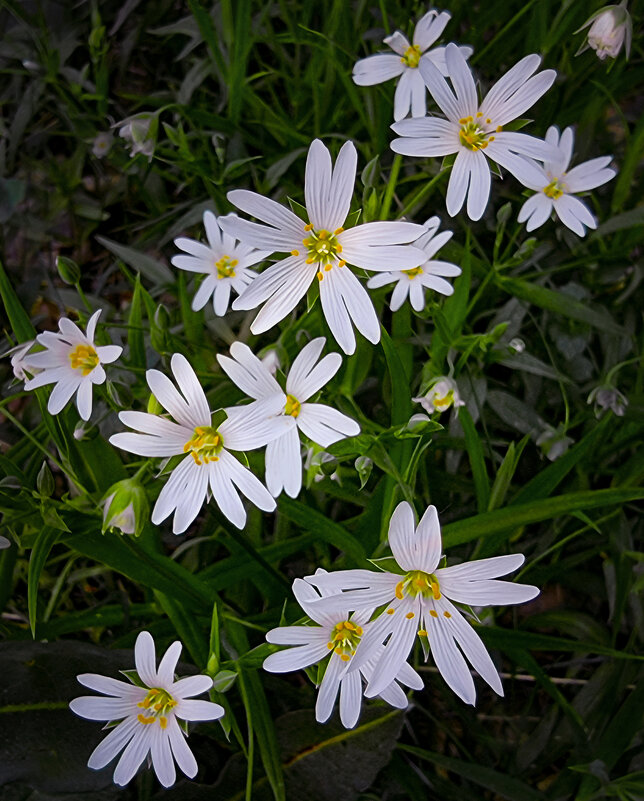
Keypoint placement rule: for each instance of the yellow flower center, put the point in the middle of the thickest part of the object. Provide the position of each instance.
(293, 406)
(345, 637)
(445, 402)
(156, 705)
(411, 274)
(205, 444)
(411, 56)
(416, 583)
(555, 189)
(473, 135)
(84, 358)
(322, 248)
(226, 267)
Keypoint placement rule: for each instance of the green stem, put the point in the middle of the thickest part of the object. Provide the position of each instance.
(391, 187)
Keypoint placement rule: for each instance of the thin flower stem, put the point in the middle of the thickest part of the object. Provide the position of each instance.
(391, 187)
(421, 194)
(83, 297)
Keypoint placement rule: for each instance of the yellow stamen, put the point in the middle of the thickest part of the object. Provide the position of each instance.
(433, 613)
(422, 633)
(499, 128)
(320, 276)
(409, 615)
(341, 263)
(295, 253)
(338, 230)
(345, 657)
(390, 611)
(293, 406)
(411, 56)
(399, 590)
(554, 190)
(205, 443)
(226, 267)
(446, 614)
(84, 358)
(308, 227)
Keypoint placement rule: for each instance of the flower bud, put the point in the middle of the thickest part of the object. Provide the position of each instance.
(68, 270)
(442, 393)
(610, 27)
(126, 507)
(45, 481)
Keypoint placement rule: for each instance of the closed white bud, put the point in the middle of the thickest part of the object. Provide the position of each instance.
(610, 28)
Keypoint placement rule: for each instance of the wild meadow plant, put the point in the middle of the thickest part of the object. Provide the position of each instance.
(324, 365)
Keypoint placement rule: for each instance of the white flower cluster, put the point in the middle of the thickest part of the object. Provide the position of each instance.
(367, 653)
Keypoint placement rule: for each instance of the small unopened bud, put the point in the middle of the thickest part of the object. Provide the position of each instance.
(441, 394)
(517, 345)
(126, 507)
(364, 466)
(45, 481)
(68, 270)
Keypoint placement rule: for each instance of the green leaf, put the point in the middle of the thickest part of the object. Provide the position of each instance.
(135, 337)
(477, 460)
(20, 322)
(185, 624)
(562, 304)
(44, 543)
(151, 268)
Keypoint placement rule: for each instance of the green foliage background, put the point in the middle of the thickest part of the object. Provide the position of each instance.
(241, 89)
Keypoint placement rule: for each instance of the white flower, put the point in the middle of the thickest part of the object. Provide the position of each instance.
(339, 633)
(140, 131)
(556, 186)
(148, 714)
(608, 397)
(208, 467)
(102, 144)
(610, 26)
(224, 261)
(412, 282)
(442, 393)
(474, 130)
(420, 602)
(410, 92)
(320, 423)
(71, 361)
(19, 360)
(322, 248)
(553, 441)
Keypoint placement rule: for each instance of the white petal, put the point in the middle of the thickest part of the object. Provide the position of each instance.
(168, 664)
(381, 233)
(131, 759)
(398, 42)
(479, 191)
(377, 69)
(213, 231)
(421, 148)
(350, 698)
(590, 174)
(458, 183)
(401, 536)
(536, 211)
(70, 331)
(402, 96)
(266, 210)
(329, 689)
(400, 293)
(247, 483)
(305, 377)
(429, 28)
(524, 98)
(418, 94)
(317, 183)
(84, 398)
(397, 648)
(335, 312)
(408, 676)
(295, 658)
(487, 592)
(202, 295)
(109, 686)
(574, 214)
(188, 382)
(191, 685)
(145, 658)
(94, 707)
(517, 142)
(507, 85)
(357, 303)
(174, 490)
(162, 756)
(285, 298)
(144, 445)
(449, 660)
(492, 567)
(263, 237)
(248, 372)
(108, 353)
(395, 696)
(307, 597)
(166, 393)
(429, 540)
(271, 282)
(296, 635)
(462, 80)
(324, 425)
(342, 185)
(253, 426)
(198, 710)
(221, 298)
(62, 392)
(115, 742)
(284, 464)
(180, 750)
(440, 91)
(190, 498)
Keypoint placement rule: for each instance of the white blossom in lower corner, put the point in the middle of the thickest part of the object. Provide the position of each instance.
(224, 261)
(319, 422)
(420, 600)
(404, 61)
(147, 712)
(430, 274)
(208, 467)
(336, 638)
(556, 186)
(72, 362)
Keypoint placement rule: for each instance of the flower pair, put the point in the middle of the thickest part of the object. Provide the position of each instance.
(419, 600)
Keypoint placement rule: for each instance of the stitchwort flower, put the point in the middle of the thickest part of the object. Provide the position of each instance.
(556, 186)
(224, 261)
(610, 28)
(441, 394)
(473, 130)
(208, 466)
(429, 274)
(336, 637)
(148, 712)
(410, 92)
(320, 423)
(421, 602)
(72, 362)
(320, 248)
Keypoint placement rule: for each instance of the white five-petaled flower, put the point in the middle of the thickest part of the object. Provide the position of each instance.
(339, 634)
(556, 185)
(71, 361)
(474, 130)
(320, 423)
(208, 466)
(322, 248)
(413, 282)
(441, 394)
(420, 602)
(148, 714)
(410, 92)
(225, 262)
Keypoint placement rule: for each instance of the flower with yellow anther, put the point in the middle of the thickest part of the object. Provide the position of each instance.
(474, 130)
(73, 362)
(404, 63)
(442, 393)
(147, 713)
(421, 602)
(335, 638)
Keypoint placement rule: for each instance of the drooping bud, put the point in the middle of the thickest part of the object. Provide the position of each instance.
(554, 442)
(126, 507)
(607, 397)
(610, 28)
(441, 394)
(140, 131)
